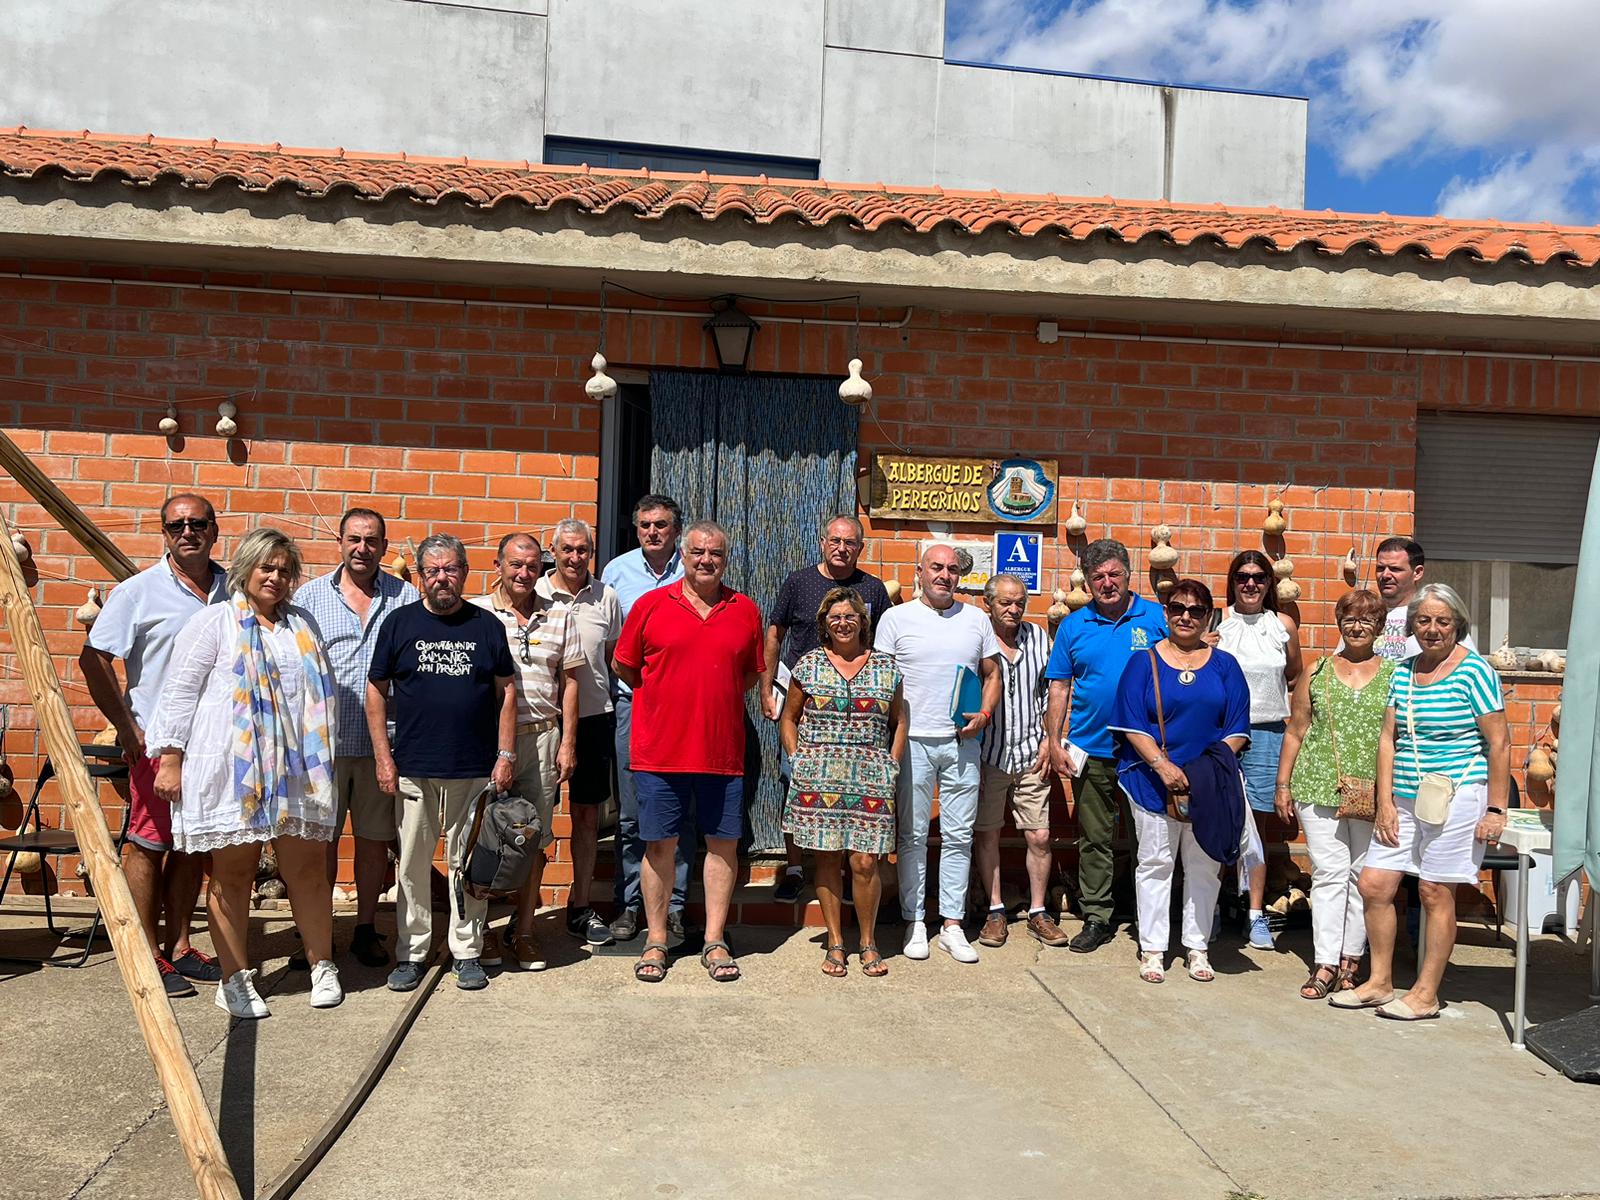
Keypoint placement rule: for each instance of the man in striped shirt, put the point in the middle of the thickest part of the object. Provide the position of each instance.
(1016, 764)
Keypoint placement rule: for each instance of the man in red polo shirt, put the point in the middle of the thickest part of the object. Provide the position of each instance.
(690, 651)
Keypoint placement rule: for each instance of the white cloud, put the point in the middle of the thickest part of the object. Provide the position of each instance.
(1388, 79)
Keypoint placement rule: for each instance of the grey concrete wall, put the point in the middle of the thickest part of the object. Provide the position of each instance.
(711, 74)
(364, 74)
(860, 85)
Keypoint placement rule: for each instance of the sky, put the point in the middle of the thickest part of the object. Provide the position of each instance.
(1467, 108)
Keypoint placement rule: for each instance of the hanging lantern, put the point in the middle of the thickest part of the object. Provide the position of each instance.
(855, 391)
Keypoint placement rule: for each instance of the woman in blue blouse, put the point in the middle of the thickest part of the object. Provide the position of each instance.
(1204, 700)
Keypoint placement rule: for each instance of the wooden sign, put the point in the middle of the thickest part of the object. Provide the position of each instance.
(974, 491)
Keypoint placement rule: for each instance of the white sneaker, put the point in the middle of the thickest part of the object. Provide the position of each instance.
(916, 940)
(325, 989)
(954, 943)
(238, 996)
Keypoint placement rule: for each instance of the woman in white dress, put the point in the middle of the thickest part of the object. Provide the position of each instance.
(244, 732)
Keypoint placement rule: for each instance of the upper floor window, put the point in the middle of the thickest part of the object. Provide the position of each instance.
(633, 155)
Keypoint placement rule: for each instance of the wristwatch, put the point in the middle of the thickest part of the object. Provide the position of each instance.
(1499, 812)
(509, 755)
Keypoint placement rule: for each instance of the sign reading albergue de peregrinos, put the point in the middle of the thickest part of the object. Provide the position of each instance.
(972, 490)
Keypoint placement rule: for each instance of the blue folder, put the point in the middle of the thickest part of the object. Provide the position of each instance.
(966, 696)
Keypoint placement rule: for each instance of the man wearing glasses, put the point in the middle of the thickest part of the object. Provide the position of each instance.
(657, 522)
(350, 605)
(141, 618)
(547, 656)
(1091, 649)
(455, 718)
(794, 615)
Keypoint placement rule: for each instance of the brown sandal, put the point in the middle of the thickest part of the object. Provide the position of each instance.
(1324, 979)
(835, 963)
(1347, 974)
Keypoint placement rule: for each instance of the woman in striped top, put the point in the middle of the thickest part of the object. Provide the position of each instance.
(1445, 717)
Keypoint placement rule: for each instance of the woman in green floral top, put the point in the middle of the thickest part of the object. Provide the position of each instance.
(1338, 705)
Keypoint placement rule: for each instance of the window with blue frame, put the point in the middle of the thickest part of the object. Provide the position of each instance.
(633, 155)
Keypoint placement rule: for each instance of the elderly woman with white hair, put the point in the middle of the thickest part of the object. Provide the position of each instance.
(1443, 775)
(245, 734)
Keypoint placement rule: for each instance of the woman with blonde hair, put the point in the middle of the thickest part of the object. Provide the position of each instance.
(245, 732)
(844, 728)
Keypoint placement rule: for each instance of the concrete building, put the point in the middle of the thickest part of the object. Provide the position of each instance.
(854, 90)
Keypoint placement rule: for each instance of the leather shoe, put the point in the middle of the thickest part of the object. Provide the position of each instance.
(1042, 928)
(995, 930)
(1094, 934)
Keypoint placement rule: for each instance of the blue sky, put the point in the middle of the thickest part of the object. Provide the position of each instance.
(1471, 108)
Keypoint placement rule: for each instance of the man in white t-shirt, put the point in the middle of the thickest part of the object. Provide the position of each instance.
(1398, 568)
(930, 639)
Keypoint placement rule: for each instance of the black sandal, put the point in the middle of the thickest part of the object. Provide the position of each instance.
(723, 970)
(1324, 979)
(649, 971)
(874, 967)
(842, 962)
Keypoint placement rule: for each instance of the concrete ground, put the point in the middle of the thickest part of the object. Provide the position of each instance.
(1034, 1073)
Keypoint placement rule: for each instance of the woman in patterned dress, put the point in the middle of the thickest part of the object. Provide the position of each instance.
(844, 728)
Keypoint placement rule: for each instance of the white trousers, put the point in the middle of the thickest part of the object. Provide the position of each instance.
(421, 808)
(1160, 841)
(1338, 851)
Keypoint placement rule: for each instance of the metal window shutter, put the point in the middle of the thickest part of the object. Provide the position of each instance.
(1499, 487)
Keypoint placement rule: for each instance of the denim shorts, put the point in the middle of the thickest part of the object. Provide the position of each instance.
(717, 803)
(1259, 762)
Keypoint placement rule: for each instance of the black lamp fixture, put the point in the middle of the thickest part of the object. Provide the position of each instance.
(732, 331)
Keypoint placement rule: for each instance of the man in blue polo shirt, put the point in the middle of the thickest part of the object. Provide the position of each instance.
(1092, 647)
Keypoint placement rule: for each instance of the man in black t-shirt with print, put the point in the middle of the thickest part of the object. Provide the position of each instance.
(794, 616)
(449, 669)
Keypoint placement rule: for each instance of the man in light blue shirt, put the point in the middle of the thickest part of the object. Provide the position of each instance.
(657, 520)
(349, 606)
(1091, 649)
(140, 624)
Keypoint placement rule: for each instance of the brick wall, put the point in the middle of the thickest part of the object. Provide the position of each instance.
(463, 410)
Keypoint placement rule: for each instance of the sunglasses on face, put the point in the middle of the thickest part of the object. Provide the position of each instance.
(1194, 612)
(1248, 578)
(176, 528)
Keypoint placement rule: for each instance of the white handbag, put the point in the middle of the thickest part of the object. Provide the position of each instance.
(1435, 791)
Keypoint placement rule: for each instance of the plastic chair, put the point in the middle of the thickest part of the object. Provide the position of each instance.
(104, 762)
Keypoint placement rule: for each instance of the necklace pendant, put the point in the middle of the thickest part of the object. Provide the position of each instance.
(1186, 677)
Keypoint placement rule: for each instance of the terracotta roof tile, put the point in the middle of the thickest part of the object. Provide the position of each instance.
(319, 172)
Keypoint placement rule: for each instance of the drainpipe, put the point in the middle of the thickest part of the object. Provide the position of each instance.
(1169, 120)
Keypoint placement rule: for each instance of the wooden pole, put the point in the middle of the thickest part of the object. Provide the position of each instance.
(55, 502)
(162, 1037)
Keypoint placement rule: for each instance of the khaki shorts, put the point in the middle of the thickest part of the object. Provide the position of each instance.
(536, 774)
(1029, 797)
(355, 783)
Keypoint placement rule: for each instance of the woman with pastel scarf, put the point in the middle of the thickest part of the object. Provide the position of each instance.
(244, 731)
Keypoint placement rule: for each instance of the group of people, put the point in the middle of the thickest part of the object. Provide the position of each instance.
(257, 707)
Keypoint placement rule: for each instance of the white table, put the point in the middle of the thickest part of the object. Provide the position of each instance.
(1526, 839)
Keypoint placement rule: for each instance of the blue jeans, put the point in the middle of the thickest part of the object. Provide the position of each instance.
(953, 765)
(630, 845)
(1259, 763)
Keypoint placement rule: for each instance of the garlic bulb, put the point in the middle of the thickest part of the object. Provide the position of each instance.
(1540, 768)
(1275, 522)
(1288, 590)
(1075, 524)
(1162, 556)
(89, 609)
(1348, 567)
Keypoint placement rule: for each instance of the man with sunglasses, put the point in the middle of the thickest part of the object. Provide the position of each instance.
(455, 720)
(548, 656)
(794, 617)
(655, 562)
(142, 617)
(1091, 649)
(350, 605)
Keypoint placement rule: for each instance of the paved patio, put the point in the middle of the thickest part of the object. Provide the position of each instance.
(1034, 1073)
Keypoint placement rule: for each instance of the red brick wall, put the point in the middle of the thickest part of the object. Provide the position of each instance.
(471, 418)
